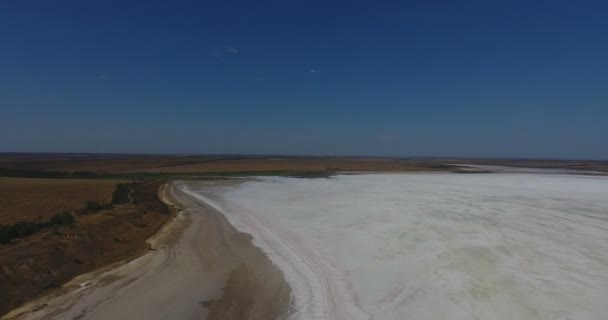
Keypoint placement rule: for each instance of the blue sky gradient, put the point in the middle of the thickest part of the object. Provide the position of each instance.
(398, 78)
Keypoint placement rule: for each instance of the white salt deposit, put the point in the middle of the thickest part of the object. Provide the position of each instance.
(432, 246)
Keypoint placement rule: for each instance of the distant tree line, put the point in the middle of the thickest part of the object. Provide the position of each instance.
(121, 195)
(28, 173)
(25, 228)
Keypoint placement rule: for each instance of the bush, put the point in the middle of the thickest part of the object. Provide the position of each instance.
(24, 173)
(5, 234)
(121, 193)
(62, 219)
(94, 206)
(83, 174)
(25, 228)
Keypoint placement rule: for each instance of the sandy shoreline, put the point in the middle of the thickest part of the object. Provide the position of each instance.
(199, 267)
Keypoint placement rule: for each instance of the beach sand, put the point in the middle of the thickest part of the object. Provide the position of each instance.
(199, 267)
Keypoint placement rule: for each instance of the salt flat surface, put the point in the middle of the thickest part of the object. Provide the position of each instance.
(432, 246)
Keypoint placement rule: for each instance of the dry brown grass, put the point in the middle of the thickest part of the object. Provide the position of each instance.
(27, 199)
(203, 164)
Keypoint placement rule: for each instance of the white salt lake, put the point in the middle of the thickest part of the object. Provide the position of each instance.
(431, 245)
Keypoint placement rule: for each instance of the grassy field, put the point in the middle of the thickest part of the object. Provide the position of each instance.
(27, 199)
(125, 165)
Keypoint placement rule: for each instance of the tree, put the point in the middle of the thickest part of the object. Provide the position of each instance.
(60, 219)
(5, 233)
(121, 193)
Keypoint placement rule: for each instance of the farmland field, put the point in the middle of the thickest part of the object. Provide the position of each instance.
(27, 199)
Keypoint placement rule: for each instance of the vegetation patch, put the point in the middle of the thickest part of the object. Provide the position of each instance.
(68, 244)
(26, 228)
(121, 195)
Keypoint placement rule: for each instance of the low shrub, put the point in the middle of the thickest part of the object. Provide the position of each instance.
(5, 233)
(94, 206)
(122, 193)
(62, 219)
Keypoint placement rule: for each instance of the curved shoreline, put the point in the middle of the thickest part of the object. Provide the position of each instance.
(200, 267)
(255, 288)
(319, 289)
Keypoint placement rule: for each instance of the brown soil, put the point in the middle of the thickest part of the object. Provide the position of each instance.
(33, 266)
(24, 199)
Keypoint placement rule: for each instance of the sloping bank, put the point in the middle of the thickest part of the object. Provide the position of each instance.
(200, 267)
(42, 263)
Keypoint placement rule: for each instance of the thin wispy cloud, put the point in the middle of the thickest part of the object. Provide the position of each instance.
(223, 53)
(231, 50)
(102, 77)
(217, 55)
(314, 70)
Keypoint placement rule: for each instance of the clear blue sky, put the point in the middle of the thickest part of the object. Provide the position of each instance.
(401, 78)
